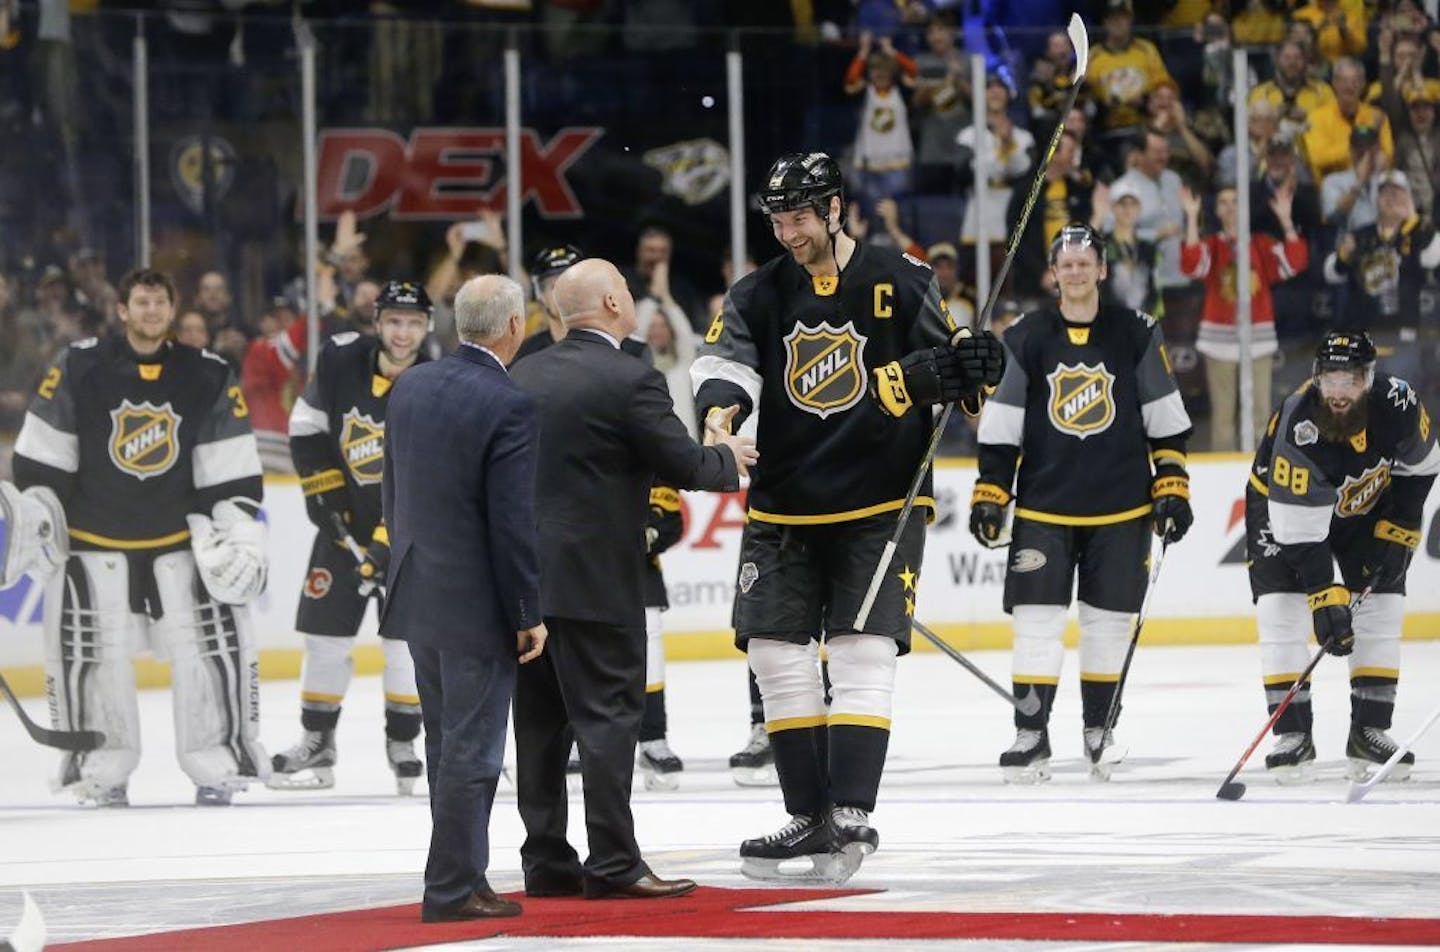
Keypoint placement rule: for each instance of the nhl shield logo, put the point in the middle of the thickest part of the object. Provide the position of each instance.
(1359, 494)
(824, 368)
(144, 438)
(362, 443)
(1081, 399)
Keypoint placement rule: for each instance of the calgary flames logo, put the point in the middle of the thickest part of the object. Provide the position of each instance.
(1081, 401)
(144, 438)
(318, 582)
(824, 368)
(1358, 494)
(362, 443)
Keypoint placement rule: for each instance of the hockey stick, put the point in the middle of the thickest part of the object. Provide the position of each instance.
(338, 522)
(29, 934)
(1028, 705)
(76, 741)
(1232, 789)
(1081, 42)
(1114, 712)
(1358, 789)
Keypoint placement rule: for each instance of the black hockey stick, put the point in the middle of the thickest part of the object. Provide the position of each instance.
(1114, 712)
(1081, 41)
(1232, 789)
(1029, 705)
(77, 741)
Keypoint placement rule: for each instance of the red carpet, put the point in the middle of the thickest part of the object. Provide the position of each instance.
(711, 912)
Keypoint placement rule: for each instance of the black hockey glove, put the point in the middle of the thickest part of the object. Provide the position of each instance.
(987, 515)
(1170, 499)
(370, 572)
(982, 358)
(925, 377)
(666, 523)
(1389, 554)
(325, 498)
(1330, 609)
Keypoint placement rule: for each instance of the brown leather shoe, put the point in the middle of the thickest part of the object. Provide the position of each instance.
(649, 887)
(480, 905)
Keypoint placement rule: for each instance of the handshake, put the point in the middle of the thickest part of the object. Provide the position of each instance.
(958, 371)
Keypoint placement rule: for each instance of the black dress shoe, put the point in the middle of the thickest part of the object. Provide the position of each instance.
(647, 887)
(480, 905)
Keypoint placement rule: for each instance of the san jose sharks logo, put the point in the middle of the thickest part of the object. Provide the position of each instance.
(144, 438)
(362, 444)
(825, 368)
(1081, 399)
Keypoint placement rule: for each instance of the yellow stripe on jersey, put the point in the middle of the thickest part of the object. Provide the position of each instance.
(322, 482)
(109, 543)
(847, 516)
(1055, 519)
(1260, 487)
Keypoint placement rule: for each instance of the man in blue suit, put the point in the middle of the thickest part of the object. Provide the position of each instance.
(464, 579)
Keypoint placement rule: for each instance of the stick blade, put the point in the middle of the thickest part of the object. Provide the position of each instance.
(1081, 41)
(1233, 790)
(1357, 792)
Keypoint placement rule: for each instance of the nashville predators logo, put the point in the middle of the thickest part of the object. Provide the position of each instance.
(144, 438)
(1081, 399)
(824, 368)
(1359, 494)
(362, 444)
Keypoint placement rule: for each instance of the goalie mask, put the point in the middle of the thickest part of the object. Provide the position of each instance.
(803, 180)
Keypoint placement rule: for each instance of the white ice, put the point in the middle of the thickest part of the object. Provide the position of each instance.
(953, 837)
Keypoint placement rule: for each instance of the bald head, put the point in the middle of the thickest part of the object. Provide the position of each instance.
(592, 293)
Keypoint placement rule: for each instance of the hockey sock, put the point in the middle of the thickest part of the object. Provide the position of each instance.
(1095, 697)
(1298, 717)
(1046, 693)
(1372, 700)
(799, 753)
(652, 719)
(862, 672)
(789, 679)
(315, 717)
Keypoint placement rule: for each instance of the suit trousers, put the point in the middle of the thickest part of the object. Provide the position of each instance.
(590, 685)
(464, 701)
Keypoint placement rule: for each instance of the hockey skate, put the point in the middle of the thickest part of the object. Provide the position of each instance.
(803, 838)
(404, 764)
(855, 839)
(1098, 739)
(1028, 759)
(206, 796)
(91, 795)
(755, 765)
(309, 765)
(1368, 748)
(659, 765)
(1292, 759)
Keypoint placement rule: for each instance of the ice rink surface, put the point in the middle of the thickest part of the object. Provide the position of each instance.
(1154, 840)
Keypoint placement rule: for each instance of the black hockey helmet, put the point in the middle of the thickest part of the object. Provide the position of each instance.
(803, 180)
(403, 296)
(1346, 350)
(1077, 234)
(554, 259)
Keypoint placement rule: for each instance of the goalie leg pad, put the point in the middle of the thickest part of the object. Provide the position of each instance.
(34, 537)
(215, 678)
(89, 675)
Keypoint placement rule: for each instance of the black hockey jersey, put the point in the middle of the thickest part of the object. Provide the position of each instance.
(337, 427)
(1386, 273)
(1081, 408)
(802, 350)
(1311, 482)
(132, 444)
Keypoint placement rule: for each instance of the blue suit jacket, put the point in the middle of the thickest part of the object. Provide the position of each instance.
(459, 495)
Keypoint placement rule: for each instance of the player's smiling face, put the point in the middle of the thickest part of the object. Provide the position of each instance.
(1341, 389)
(147, 315)
(1077, 270)
(803, 233)
(401, 332)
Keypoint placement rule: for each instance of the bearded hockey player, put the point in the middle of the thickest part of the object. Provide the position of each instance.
(842, 348)
(337, 438)
(1089, 402)
(141, 487)
(1341, 476)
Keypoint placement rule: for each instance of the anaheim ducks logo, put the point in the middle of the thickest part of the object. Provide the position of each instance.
(1081, 399)
(144, 438)
(362, 443)
(1358, 494)
(824, 368)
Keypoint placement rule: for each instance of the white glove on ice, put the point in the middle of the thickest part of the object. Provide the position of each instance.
(230, 553)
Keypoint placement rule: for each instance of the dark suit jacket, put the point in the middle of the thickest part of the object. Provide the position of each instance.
(607, 428)
(460, 452)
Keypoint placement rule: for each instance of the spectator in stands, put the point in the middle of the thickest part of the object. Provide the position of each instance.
(1401, 56)
(940, 104)
(661, 324)
(1063, 198)
(347, 255)
(1292, 92)
(1285, 172)
(1385, 264)
(958, 297)
(59, 320)
(1050, 80)
(1212, 119)
(1189, 157)
(1161, 216)
(93, 292)
(1417, 146)
(1340, 26)
(1004, 152)
(1258, 22)
(1317, 67)
(883, 151)
(470, 251)
(269, 377)
(192, 330)
(1212, 259)
(1129, 259)
(1326, 142)
(1263, 121)
(212, 298)
(891, 234)
(23, 357)
(653, 276)
(1122, 71)
(1349, 197)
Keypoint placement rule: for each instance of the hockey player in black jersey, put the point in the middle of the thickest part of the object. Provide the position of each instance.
(1340, 476)
(337, 439)
(1089, 402)
(842, 348)
(141, 488)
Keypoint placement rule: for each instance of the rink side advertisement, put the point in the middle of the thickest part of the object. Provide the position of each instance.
(1202, 596)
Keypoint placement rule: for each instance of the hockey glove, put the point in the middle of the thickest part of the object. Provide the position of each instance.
(981, 358)
(229, 547)
(1389, 554)
(1170, 500)
(325, 493)
(987, 515)
(1330, 609)
(370, 571)
(34, 538)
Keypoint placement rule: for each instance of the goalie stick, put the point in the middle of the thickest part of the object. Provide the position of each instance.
(75, 741)
(1081, 42)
